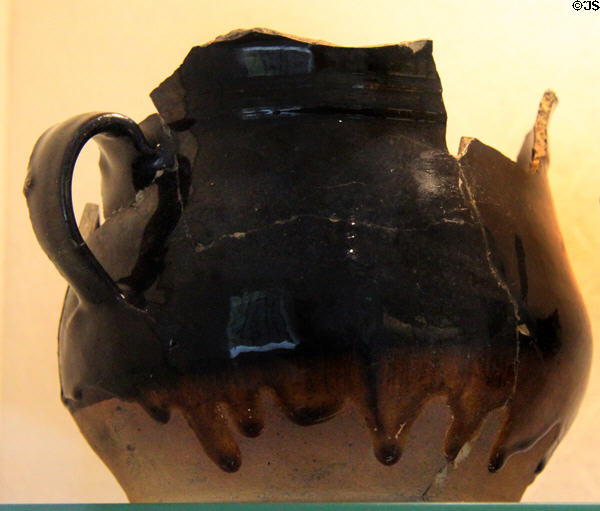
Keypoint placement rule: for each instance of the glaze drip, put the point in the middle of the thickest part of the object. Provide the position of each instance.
(388, 389)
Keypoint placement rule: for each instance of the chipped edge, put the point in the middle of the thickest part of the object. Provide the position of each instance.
(415, 46)
(540, 156)
(90, 219)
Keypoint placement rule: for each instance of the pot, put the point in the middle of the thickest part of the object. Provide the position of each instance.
(298, 293)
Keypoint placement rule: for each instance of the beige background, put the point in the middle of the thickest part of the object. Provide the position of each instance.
(60, 57)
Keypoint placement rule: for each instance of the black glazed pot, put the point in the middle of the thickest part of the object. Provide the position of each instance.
(298, 293)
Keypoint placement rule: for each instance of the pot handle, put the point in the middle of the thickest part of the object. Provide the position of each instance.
(48, 193)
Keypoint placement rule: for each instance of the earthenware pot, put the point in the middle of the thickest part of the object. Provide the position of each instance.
(297, 293)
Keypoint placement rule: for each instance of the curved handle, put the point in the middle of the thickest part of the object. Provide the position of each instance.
(48, 192)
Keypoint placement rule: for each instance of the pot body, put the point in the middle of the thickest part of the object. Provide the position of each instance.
(318, 301)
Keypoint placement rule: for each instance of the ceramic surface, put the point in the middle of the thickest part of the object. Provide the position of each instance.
(297, 293)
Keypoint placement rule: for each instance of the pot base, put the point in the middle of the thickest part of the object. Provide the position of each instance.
(330, 461)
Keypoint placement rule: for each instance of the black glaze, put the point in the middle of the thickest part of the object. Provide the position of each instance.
(313, 235)
(48, 191)
(520, 253)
